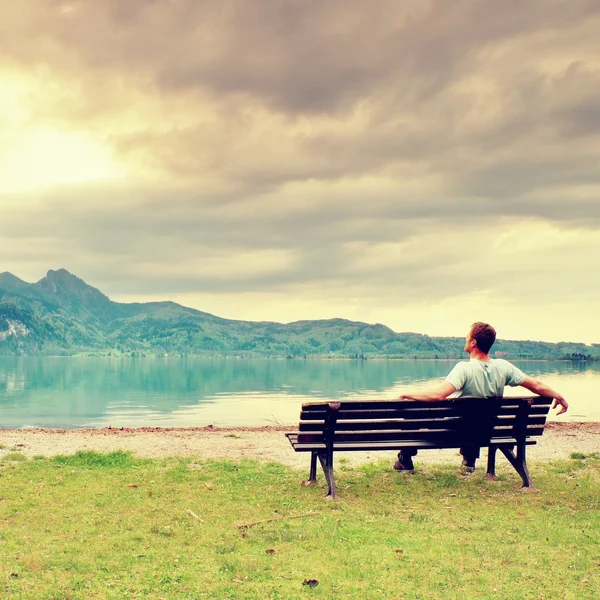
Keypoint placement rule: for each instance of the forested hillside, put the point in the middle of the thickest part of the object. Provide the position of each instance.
(61, 314)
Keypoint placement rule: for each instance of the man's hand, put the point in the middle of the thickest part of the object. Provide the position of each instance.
(560, 401)
(537, 387)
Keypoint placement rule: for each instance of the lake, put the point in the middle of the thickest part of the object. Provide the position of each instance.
(74, 392)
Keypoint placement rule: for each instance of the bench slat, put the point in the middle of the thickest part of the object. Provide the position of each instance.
(392, 413)
(371, 405)
(389, 413)
(374, 446)
(384, 425)
(449, 436)
(380, 425)
(374, 404)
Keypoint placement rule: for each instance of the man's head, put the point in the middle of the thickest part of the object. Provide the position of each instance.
(482, 336)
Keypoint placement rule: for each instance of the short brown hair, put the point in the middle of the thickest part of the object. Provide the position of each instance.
(484, 335)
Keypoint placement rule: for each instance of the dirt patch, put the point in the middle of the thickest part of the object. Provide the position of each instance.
(570, 428)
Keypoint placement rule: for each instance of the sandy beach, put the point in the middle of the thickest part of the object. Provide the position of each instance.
(264, 443)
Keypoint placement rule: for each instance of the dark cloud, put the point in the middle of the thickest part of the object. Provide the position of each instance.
(293, 55)
(502, 180)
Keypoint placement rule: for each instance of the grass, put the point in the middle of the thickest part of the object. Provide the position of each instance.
(112, 526)
(14, 457)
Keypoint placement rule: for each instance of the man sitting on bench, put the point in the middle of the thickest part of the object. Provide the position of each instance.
(481, 377)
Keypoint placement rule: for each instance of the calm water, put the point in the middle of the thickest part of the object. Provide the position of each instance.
(97, 392)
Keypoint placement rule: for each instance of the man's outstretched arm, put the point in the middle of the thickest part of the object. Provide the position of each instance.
(543, 390)
(437, 392)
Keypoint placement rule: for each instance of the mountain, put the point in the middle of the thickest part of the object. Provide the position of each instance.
(72, 294)
(62, 314)
(9, 282)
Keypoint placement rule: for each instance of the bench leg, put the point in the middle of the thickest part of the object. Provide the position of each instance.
(313, 467)
(519, 462)
(326, 460)
(491, 465)
(312, 476)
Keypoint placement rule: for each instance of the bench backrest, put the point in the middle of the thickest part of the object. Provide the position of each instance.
(447, 422)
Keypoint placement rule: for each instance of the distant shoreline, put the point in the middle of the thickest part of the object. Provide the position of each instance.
(296, 358)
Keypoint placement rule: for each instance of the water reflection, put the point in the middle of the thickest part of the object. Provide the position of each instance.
(95, 392)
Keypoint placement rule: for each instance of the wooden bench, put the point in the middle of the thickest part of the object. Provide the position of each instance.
(495, 423)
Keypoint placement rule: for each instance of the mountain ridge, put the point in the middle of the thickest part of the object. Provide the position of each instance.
(62, 314)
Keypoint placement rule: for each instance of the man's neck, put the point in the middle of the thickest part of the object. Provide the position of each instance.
(479, 355)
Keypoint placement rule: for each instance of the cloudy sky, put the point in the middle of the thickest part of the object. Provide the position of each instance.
(422, 164)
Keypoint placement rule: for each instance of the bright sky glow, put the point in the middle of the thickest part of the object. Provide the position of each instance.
(37, 159)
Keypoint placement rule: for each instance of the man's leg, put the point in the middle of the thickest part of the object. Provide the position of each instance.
(404, 462)
(470, 454)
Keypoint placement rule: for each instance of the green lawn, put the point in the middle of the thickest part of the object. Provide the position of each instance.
(114, 526)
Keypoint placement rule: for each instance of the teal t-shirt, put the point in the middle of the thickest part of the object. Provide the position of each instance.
(478, 379)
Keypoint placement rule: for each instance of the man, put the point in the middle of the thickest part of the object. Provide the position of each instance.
(481, 377)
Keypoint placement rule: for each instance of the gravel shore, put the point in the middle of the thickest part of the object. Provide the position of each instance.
(264, 443)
